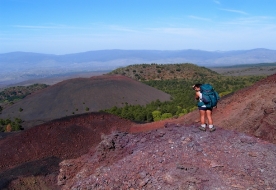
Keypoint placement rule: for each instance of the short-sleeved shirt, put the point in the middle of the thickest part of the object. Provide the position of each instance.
(200, 99)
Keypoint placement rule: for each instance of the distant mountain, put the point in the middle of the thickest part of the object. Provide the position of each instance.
(20, 66)
(126, 57)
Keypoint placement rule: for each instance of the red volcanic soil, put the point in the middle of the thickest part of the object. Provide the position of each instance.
(38, 150)
(86, 151)
(251, 110)
(174, 157)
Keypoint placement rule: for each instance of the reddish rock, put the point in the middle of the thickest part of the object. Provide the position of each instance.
(170, 154)
(220, 160)
(250, 110)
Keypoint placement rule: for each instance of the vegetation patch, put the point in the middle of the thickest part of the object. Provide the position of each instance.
(13, 94)
(146, 72)
(8, 125)
(179, 86)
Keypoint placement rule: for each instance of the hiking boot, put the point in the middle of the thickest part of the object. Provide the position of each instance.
(212, 129)
(202, 128)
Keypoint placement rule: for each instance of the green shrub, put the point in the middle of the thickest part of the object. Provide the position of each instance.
(156, 115)
(166, 116)
(11, 125)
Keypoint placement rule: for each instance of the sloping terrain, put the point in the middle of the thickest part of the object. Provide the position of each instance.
(176, 157)
(251, 110)
(34, 154)
(80, 95)
(172, 154)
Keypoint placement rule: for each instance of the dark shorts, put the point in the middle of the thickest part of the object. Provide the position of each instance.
(204, 108)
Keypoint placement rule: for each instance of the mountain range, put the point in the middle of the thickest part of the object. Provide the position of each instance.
(19, 66)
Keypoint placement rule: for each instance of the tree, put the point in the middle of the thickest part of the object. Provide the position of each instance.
(149, 117)
(156, 115)
(166, 116)
(9, 128)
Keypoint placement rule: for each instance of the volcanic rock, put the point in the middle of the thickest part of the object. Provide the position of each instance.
(78, 152)
(182, 158)
(35, 154)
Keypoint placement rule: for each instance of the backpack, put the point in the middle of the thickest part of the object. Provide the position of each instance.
(209, 96)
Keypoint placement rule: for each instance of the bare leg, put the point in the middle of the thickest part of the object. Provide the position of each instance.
(202, 116)
(209, 117)
(202, 127)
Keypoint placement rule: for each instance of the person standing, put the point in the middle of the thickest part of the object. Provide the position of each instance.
(204, 111)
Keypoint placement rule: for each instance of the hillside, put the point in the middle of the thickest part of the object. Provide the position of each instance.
(251, 110)
(36, 153)
(172, 153)
(8, 95)
(82, 95)
(186, 158)
(164, 71)
(176, 80)
(176, 157)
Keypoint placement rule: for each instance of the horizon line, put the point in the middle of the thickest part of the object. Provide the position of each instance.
(138, 50)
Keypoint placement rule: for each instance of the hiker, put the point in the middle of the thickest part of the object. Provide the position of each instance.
(203, 110)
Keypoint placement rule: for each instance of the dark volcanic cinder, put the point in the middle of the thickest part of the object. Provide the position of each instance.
(35, 154)
(178, 157)
(80, 95)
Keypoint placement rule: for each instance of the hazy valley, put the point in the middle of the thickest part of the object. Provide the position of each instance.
(17, 67)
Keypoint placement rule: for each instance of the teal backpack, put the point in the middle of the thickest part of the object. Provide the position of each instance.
(209, 96)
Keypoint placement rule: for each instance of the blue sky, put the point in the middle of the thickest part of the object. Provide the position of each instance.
(72, 26)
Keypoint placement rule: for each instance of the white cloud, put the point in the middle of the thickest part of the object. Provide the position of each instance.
(235, 11)
(199, 18)
(217, 2)
(41, 26)
(175, 31)
(261, 21)
(121, 28)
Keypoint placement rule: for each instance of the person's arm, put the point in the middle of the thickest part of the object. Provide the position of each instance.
(197, 95)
